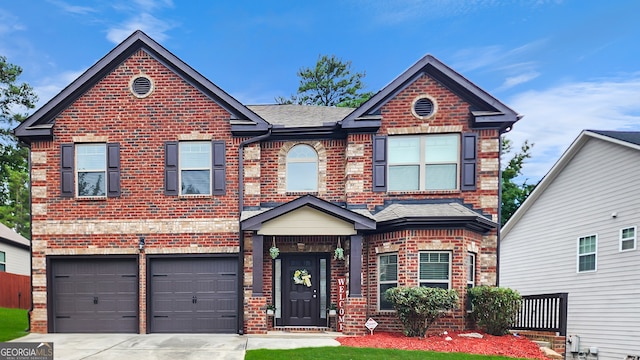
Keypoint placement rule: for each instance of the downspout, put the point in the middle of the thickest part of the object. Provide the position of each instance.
(240, 237)
(28, 329)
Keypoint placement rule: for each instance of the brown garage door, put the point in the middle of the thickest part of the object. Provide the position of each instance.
(94, 295)
(193, 295)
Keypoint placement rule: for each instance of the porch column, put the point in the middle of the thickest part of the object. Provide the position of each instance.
(257, 264)
(355, 266)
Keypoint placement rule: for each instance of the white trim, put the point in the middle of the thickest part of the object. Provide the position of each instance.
(632, 239)
(76, 170)
(595, 253)
(448, 281)
(209, 167)
(386, 281)
(315, 160)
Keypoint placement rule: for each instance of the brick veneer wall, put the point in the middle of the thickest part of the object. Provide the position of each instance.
(108, 112)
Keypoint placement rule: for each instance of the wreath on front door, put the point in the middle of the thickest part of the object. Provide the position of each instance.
(302, 277)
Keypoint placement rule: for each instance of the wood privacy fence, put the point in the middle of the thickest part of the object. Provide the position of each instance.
(546, 312)
(15, 291)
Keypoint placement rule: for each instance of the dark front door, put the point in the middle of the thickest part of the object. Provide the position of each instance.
(301, 302)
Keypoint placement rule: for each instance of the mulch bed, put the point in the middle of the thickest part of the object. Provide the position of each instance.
(507, 345)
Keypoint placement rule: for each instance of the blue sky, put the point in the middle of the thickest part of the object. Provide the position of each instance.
(566, 65)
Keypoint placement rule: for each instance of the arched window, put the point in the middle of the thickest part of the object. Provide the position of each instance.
(302, 169)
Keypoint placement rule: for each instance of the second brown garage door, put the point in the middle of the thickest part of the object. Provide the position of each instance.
(193, 295)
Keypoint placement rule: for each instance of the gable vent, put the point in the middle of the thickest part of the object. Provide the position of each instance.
(141, 86)
(423, 107)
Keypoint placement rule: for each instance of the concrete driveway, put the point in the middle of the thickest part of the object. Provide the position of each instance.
(173, 346)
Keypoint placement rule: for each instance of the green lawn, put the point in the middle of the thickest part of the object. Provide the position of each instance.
(13, 323)
(350, 353)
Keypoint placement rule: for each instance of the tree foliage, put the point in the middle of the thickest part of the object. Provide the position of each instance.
(495, 308)
(330, 83)
(514, 194)
(419, 307)
(14, 176)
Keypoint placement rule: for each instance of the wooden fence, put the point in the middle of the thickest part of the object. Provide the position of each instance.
(547, 312)
(15, 291)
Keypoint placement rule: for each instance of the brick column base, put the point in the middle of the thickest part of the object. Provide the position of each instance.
(355, 316)
(255, 315)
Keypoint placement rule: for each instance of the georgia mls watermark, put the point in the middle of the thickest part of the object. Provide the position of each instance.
(26, 351)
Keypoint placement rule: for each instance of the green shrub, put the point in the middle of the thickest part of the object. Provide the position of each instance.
(494, 308)
(419, 307)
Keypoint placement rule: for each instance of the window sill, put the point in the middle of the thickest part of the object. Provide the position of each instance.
(188, 197)
(423, 192)
(294, 193)
(91, 198)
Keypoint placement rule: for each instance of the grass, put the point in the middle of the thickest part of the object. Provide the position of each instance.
(350, 353)
(13, 323)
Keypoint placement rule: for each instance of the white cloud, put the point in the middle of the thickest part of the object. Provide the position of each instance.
(554, 117)
(151, 25)
(74, 9)
(9, 23)
(512, 81)
(49, 87)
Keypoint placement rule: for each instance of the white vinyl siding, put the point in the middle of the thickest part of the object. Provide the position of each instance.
(587, 253)
(538, 255)
(387, 278)
(628, 239)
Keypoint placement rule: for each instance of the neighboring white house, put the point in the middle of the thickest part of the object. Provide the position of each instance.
(14, 252)
(577, 233)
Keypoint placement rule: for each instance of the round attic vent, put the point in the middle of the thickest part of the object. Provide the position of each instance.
(141, 86)
(423, 107)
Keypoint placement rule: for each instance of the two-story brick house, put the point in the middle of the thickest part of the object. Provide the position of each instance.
(156, 198)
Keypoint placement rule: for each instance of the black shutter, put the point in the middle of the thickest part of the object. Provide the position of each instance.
(469, 161)
(379, 163)
(219, 167)
(171, 168)
(113, 170)
(66, 170)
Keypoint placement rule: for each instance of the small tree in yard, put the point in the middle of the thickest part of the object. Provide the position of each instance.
(419, 307)
(495, 308)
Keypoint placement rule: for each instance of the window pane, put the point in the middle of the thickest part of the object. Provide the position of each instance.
(587, 262)
(404, 150)
(403, 178)
(3, 268)
(195, 155)
(441, 148)
(587, 245)
(627, 245)
(91, 157)
(91, 184)
(302, 152)
(434, 266)
(435, 285)
(628, 233)
(389, 268)
(471, 268)
(302, 176)
(3, 256)
(441, 177)
(384, 303)
(196, 182)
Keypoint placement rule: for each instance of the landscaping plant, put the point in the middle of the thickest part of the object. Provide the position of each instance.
(495, 308)
(419, 307)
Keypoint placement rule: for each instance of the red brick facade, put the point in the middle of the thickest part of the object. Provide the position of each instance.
(107, 112)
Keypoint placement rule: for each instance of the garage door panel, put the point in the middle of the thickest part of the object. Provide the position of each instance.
(95, 295)
(191, 295)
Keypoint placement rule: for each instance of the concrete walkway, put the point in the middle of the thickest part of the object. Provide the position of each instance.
(173, 346)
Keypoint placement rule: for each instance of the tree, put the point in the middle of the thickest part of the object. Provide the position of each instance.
(330, 83)
(14, 191)
(513, 194)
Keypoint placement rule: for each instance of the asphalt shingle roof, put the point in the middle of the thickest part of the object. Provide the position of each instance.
(8, 234)
(632, 137)
(300, 115)
(399, 211)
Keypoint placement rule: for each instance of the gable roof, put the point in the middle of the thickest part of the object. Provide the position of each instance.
(630, 139)
(255, 221)
(40, 123)
(486, 111)
(13, 238)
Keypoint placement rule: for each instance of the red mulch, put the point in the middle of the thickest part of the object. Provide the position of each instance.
(507, 345)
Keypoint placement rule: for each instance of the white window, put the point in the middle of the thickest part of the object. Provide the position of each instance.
(387, 278)
(587, 251)
(3, 261)
(302, 169)
(471, 276)
(195, 167)
(428, 162)
(435, 269)
(628, 239)
(91, 169)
